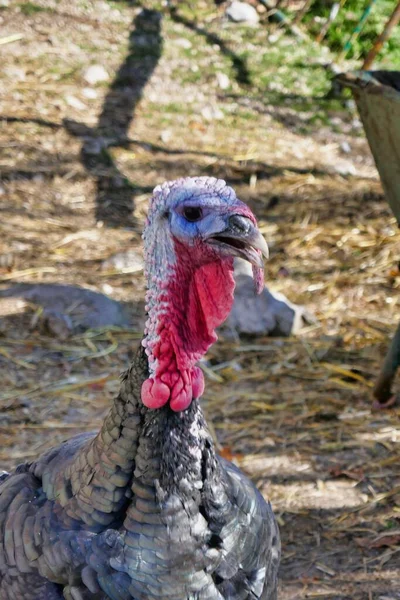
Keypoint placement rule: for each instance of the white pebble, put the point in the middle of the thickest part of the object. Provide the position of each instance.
(241, 12)
(223, 80)
(75, 103)
(95, 74)
(89, 93)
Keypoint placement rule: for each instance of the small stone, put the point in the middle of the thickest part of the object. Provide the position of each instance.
(75, 103)
(223, 80)
(165, 136)
(106, 288)
(89, 93)
(345, 168)
(95, 74)
(183, 43)
(15, 72)
(350, 104)
(269, 313)
(68, 309)
(212, 113)
(241, 12)
(102, 6)
(345, 147)
(129, 261)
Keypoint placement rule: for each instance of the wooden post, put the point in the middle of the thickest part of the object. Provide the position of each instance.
(377, 47)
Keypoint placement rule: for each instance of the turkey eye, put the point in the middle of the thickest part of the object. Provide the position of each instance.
(192, 213)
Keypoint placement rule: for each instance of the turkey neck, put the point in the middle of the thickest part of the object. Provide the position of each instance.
(135, 447)
(172, 448)
(94, 486)
(185, 305)
(174, 460)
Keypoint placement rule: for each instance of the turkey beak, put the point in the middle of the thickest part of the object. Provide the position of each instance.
(242, 238)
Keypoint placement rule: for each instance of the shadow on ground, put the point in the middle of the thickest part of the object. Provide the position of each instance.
(115, 195)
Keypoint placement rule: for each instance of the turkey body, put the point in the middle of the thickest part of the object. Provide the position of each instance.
(188, 523)
(143, 510)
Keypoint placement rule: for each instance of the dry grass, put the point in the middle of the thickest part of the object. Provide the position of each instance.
(294, 413)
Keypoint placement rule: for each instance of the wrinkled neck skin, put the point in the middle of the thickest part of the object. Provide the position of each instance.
(185, 305)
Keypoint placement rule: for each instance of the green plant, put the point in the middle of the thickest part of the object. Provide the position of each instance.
(344, 24)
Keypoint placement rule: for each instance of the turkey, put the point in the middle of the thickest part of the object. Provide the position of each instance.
(145, 509)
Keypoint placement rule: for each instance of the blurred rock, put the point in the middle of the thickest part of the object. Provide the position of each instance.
(89, 93)
(345, 147)
(75, 102)
(122, 261)
(350, 104)
(212, 113)
(356, 124)
(14, 72)
(223, 80)
(183, 43)
(344, 167)
(268, 313)
(95, 74)
(69, 309)
(165, 136)
(106, 288)
(241, 12)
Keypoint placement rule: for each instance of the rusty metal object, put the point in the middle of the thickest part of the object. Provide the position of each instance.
(377, 95)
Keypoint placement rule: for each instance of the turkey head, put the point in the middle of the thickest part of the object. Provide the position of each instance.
(195, 228)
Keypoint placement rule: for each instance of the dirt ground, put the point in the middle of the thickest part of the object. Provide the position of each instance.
(186, 93)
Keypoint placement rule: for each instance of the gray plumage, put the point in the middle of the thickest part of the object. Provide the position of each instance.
(142, 510)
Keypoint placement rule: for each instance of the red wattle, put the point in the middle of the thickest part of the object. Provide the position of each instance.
(258, 277)
(154, 393)
(197, 382)
(181, 401)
